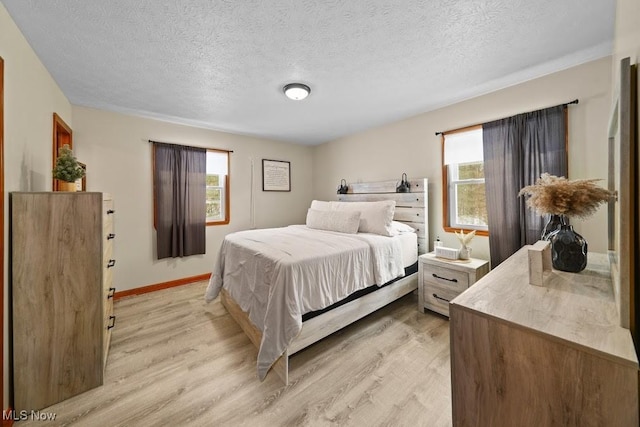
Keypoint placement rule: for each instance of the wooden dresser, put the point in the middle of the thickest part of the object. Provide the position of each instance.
(61, 249)
(524, 355)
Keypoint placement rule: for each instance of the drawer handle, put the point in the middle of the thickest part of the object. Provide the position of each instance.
(112, 292)
(112, 322)
(110, 211)
(111, 236)
(444, 278)
(111, 263)
(440, 298)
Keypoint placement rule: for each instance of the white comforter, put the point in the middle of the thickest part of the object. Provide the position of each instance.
(276, 275)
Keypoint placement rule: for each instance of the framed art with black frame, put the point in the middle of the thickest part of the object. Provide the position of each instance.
(81, 183)
(276, 175)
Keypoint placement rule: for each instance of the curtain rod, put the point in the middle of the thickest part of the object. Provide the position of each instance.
(575, 101)
(185, 145)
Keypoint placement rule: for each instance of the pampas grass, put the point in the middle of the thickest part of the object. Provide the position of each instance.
(559, 196)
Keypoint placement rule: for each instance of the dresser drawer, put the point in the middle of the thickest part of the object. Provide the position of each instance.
(107, 215)
(108, 294)
(107, 224)
(107, 279)
(446, 278)
(107, 251)
(107, 204)
(108, 325)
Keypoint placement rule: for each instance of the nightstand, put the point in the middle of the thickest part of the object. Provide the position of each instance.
(441, 280)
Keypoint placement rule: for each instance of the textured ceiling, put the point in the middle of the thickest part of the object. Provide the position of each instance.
(221, 64)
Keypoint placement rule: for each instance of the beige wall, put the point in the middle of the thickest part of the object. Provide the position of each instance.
(118, 158)
(411, 145)
(627, 41)
(31, 97)
(627, 31)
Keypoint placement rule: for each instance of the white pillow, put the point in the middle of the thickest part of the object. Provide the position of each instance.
(343, 222)
(320, 205)
(375, 217)
(401, 228)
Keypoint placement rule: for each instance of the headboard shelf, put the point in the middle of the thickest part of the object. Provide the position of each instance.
(411, 208)
(415, 186)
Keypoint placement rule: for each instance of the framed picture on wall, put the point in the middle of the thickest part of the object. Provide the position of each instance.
(81, 184)
(276, 175)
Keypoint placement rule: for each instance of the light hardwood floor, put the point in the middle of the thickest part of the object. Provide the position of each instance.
(177, 361)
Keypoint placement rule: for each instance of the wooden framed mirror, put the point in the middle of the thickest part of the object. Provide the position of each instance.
(623, 227)
(62, 134)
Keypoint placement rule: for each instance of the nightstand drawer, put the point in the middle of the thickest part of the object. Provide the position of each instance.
(437, 299)
(446, 277)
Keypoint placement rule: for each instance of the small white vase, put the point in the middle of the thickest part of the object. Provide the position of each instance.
(465, 252)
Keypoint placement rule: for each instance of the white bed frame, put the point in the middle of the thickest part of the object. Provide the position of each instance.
(411, 208)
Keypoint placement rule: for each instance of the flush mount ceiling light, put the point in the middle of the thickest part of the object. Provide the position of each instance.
(296, 91)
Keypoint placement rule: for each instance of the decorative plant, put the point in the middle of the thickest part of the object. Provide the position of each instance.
(560, 196)
(67, 167)
(465, 239)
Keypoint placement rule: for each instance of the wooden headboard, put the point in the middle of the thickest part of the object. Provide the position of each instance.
(411, 208)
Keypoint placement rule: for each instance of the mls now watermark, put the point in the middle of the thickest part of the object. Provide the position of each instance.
(28, 415)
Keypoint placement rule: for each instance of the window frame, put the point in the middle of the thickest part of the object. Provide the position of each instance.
(226, 187)
(446, 202)
(62, 134)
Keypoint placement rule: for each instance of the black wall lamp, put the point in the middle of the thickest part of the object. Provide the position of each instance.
(343, 187)
(404, 186)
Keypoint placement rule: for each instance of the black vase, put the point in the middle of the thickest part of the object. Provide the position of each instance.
(568, 249)
(552, 225)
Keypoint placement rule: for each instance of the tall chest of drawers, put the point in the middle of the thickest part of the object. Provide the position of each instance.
(61, 247)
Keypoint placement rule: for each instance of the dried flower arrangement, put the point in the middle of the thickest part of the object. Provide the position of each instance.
(560, 196)
(465, 251)
(465, 239)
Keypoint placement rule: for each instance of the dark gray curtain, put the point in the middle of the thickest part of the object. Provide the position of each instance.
(517, 150)
(179, 185)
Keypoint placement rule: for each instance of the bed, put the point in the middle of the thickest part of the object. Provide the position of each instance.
(289, 287)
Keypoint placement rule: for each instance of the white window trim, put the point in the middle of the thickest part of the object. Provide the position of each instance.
(449, 185)
(453, 200)
(224, 190)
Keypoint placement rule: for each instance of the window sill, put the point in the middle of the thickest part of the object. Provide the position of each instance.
(466, 230)
(217, 222)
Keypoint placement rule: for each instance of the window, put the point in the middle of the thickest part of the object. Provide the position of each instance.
(217, 202)
(465, 205)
